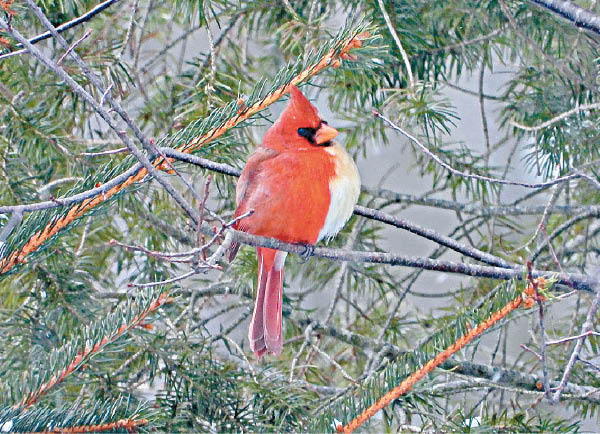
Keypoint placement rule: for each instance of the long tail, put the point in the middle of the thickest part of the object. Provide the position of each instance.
(265, 327)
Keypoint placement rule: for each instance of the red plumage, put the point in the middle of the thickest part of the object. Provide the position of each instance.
(289, 182)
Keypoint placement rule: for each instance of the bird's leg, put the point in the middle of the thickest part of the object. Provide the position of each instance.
(309, 249)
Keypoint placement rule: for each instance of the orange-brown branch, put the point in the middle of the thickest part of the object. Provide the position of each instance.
(87, 352)
(128, 424)
(79, 210)
(440, 358)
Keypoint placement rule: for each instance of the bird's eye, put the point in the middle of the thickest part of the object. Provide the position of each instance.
(308, 134)
(324, 122)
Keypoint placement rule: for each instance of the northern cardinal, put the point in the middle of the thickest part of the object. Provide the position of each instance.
(302, 187)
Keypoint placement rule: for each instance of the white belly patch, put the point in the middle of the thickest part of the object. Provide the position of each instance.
(344, 188)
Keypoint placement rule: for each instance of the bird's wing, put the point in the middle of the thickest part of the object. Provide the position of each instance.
(252, 168)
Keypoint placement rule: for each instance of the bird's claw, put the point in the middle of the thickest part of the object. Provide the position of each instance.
(309, 250)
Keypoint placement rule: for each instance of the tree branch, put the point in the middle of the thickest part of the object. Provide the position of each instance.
(571, 11)
(68, 25)
(478, 210)
(575, 281)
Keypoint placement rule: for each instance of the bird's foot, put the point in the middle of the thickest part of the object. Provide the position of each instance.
(309, 250)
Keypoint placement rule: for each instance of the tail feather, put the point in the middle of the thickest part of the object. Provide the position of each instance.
(265, 333)
(272, 311)
(256, 330)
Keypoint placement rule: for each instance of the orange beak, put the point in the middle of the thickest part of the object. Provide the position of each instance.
(325, 133)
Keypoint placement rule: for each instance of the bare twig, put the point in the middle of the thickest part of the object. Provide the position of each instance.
(134, 8)
(334, 363)
(573, 338)
(480, 177)
(45, 190)
(305, 343)
(433, 236)
(163, 282)
(529, 350)
(13, 221)
(460, 45)
(475, 209)
(586, 328)
(557, 118)
(540, 301)
(559, 230)
(146, 66)
(72, 47)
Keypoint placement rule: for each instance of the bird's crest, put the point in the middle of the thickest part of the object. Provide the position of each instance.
(299, 113)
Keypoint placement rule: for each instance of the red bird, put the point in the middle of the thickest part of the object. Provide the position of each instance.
(302, 187)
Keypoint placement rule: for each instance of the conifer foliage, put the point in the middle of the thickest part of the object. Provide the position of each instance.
(123, 126)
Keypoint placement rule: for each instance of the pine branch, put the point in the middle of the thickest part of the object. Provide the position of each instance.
(411, 367)
(130, 425)
(489, 373)
(70, 357)
(109, 415)
(188, 140)
(440, 358)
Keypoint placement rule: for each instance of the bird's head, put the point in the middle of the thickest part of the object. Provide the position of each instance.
(299, 126)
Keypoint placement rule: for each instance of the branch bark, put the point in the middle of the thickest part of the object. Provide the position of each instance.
(579, 16)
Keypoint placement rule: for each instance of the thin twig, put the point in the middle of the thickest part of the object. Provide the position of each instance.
(13, 221)
(587, 327)
(125, 42)
(556, 119)
(392, 30)
(307, 333)
(475, 209)
(480, 177)
(163, 282)
(540, 301)
(72, 47)
(109, 152)
(334, 363)
(573, 338)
